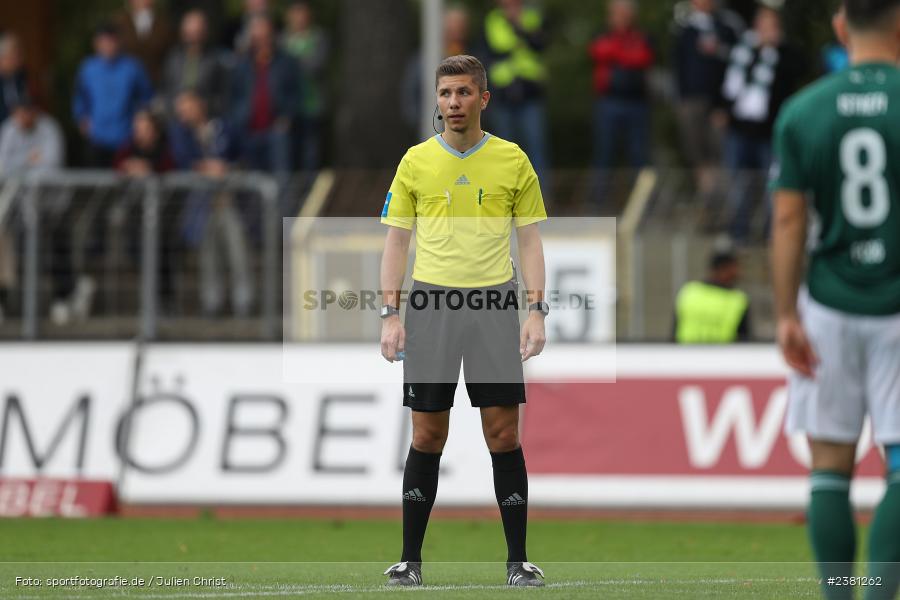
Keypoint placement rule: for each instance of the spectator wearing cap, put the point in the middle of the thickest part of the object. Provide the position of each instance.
(195, 65)
(109, 89)
(146, 34)
(713, 311)
(264, 100)
(13, 78)
(622, 57)
(763, 71)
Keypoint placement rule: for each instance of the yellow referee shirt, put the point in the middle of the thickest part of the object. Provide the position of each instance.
(463, 205)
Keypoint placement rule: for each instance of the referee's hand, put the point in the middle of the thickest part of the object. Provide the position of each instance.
(532, 338)
(393, 337)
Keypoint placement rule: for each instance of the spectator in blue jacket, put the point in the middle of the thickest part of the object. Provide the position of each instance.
(264, 101)
(109, 89)
(198, 140)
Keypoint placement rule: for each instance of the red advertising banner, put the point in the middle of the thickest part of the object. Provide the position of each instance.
(56, 498)
(667, 426)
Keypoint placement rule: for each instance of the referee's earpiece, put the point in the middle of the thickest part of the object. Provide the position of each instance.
(439, 116)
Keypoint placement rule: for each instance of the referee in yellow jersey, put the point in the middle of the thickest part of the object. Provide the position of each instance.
(464, 191)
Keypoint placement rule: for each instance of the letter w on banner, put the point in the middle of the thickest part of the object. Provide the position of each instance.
(707, 435)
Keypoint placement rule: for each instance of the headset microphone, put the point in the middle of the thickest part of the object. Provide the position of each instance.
(439, 116)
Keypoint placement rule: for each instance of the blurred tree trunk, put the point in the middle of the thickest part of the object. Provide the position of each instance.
(375, 46)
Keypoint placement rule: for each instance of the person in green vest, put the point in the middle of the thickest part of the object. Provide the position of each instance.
(515, 40)
(713, 311)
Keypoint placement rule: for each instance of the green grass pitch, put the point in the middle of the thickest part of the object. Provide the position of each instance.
(265, 558)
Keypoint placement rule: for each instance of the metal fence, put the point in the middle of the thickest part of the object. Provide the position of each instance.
(666, 235)
(151, 257)
(184, 257)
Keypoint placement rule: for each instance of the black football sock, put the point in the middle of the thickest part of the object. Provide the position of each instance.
(511, 488)
(420, 482)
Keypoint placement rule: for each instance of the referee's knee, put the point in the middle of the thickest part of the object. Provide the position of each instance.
(502, 439)
(431, 440)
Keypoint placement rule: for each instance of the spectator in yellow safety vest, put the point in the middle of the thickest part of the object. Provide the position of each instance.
(713, 311)
(515, 40)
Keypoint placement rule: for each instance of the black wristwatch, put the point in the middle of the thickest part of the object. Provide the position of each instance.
(387, 310)
(541, 307)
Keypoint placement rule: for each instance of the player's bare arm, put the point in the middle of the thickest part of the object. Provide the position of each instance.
(393, 269)
(531, 257)
(788, 243)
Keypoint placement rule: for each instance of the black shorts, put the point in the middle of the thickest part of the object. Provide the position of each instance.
(478, 326)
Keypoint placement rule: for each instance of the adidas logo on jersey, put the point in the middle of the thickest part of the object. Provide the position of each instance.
(462, 180)
(415, 495)
(514, 500)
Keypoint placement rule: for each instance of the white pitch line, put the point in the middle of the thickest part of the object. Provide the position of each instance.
(269, 590)
(299, 590)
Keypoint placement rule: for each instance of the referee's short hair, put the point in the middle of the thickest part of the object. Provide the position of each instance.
(462, 64)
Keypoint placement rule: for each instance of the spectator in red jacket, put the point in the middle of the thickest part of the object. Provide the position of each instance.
(622, 57)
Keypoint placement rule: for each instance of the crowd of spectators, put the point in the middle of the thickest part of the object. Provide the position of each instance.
(268, 85)
(154, 97)
(728, 83)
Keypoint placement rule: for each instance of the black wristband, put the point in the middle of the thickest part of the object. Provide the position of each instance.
(541, 307)
(387, 310)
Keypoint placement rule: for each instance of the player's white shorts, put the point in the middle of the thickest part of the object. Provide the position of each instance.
(858, 373)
